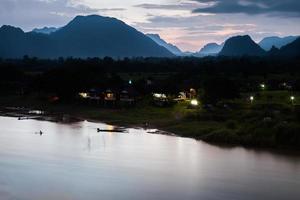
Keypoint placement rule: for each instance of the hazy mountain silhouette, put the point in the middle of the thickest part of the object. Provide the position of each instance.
(14, 43)
(9, 37)
(291, 50)
(172, 48)
(274, 51)
(241, 46)
(268, 42)
(210, 49)
(90, 36)
(45, 30)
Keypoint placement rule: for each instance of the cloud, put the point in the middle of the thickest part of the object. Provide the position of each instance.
(192, 32)
(288, 8)
(111, 9)
(30, 14)
(68, 6)
(181, 5)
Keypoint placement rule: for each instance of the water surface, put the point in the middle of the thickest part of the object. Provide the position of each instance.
(74, 162)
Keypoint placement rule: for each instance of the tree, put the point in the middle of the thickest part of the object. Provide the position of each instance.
(219, 88)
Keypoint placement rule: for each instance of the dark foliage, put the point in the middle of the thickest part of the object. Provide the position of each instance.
(219, 77)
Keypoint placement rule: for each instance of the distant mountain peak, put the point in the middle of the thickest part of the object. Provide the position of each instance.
(170, 47)
(210, 49)
(8, 28)
(268, 42)
(242, 37)
(90, 19)
(45, 30)
(241, 45)
(154, 35)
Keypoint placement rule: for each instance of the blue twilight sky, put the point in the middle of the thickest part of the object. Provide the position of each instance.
(189, 24)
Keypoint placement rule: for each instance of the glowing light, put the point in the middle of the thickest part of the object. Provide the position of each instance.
(157, 95)
(110, 128)
(83, 95)
(110, 95)
(130, 82)
(263, 86)
(292, 98)
(251, 98)
(194, 102)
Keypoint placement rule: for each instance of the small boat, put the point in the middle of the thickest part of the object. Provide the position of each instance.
(116, 130)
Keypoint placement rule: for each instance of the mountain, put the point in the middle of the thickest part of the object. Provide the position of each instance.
(291, 50)
(9, 37)
(172, 48)
(211, 49)
(274, 51)
(89, 36)
(268, 42)
(188, 53)
(45, 30)
(241, 46)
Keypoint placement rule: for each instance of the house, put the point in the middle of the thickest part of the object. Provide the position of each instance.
(182, 96)
(91, 96)
(161, 99)
(110, 97)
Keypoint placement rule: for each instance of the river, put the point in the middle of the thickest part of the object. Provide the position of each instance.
(75, 162)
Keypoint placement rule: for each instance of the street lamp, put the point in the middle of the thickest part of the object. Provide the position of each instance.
(263, 86)
(292, 99)
(251, 99)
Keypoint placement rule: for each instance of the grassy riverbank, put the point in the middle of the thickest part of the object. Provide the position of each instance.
(267, 122)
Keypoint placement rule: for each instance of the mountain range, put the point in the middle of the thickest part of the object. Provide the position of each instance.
(89, 36)
(97, 36)
(245, 46)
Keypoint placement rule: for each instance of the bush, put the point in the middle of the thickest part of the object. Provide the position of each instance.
(222, 136)
(231, 124)
(288, 134)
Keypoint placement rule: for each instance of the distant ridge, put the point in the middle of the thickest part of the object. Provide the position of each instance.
(291, 50)
(241, 46)
(210, 49)
(274, 51)
(278, 42)
(97, 36)
(84, 36)
(172, 48)
(45, 30)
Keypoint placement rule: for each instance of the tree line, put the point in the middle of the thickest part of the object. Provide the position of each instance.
(222, 77)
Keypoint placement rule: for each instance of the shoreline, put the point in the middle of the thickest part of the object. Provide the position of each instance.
(22, 114)
(73, 118)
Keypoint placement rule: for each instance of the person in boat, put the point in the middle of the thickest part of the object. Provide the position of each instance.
(41, 133)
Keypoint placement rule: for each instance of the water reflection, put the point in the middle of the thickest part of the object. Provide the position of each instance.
(74, 161)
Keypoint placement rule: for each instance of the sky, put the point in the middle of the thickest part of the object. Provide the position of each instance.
(189, 24)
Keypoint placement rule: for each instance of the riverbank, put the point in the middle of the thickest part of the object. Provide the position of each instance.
(259, 125)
